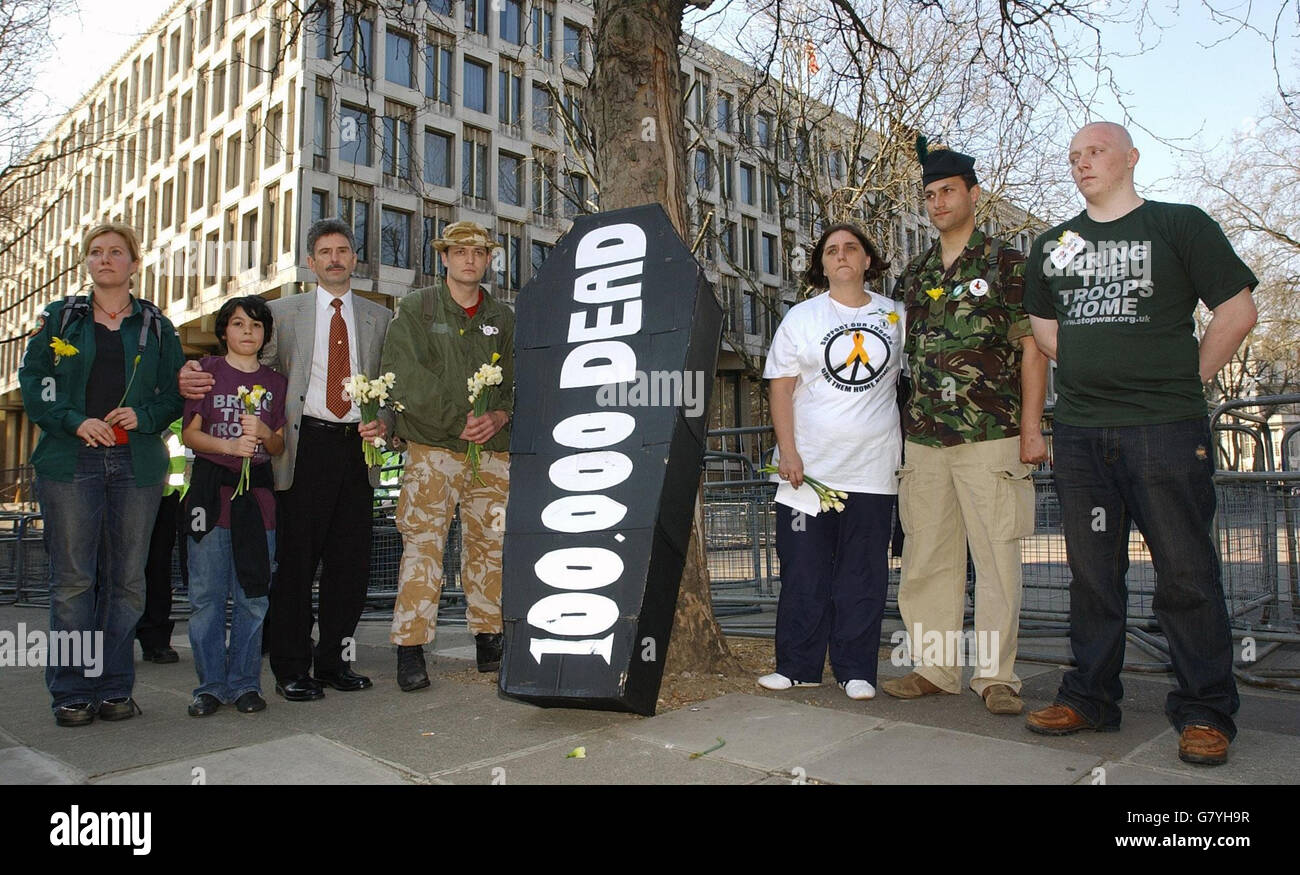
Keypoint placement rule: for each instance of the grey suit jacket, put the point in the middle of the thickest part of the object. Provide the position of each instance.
(290, 351)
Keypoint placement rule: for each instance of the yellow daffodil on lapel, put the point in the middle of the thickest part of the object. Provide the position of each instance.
(935, 293)
(62, 348)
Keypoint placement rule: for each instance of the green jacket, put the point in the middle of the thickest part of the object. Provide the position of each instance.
(964, 349)
(54, 396)
(433, 348)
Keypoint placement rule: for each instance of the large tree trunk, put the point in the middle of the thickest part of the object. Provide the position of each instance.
(640, 134)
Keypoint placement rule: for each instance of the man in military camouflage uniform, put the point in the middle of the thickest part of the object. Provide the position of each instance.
(440, 336)
(972, 428)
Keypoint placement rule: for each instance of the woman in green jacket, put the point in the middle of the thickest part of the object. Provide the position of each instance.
(99, 378)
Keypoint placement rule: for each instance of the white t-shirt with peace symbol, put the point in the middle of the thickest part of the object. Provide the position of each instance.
(846, 361)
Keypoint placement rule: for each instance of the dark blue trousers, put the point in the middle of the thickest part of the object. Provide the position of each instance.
(834, 574)
(1161, 478)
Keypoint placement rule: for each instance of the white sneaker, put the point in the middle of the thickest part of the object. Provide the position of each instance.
(858, 689)
(778, 681)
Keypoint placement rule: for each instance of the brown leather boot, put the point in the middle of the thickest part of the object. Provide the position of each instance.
(911, 686)
(1203, 745)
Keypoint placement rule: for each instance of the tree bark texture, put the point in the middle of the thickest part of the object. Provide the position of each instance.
(640, 133)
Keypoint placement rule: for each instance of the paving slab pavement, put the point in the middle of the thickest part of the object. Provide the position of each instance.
(294, 759)
(460, 730)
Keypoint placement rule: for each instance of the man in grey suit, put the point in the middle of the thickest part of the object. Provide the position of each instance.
(319, 340)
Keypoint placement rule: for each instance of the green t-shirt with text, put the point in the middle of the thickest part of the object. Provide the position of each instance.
(1126, 351)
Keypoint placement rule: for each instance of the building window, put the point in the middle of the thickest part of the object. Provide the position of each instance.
(575, 195)
(750, 313)
(319, 204)
(512, 22)
(435, 223)
(510, 179)
(510, 94)
(543, 184)
(727, 239)
(395, 238)
(256, 47)
(764, 130)
(747, 184)
(319, 27)
(476, 85)
(727, 177)
(476, 16)
(703, 86)
(543, 29)
(354, 135)
(769, 254)
(320, 125)
(573, 46)
(474, 165)
(438, 56)
(437, 157)
(442, 7)
(703, 171)
(399, 58)
(355, 212)
(543, 110)
(537, 254)
(358, 40)
(768, 189)
(724, 112)
(750, 245)
(510, 235)
(397, 147)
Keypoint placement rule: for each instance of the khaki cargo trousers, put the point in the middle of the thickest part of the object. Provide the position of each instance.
(433, 482)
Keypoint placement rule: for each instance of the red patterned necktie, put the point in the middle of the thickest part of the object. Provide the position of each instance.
(336, 371)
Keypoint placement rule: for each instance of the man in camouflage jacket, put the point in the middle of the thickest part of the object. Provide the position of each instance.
(440, 336)
(972, 429)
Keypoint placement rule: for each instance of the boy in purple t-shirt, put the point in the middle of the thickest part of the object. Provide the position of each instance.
(232, 537)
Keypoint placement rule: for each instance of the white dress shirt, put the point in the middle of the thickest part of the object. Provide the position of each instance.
(314, 405)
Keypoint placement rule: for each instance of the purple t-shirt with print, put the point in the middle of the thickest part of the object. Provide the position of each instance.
(220, 410)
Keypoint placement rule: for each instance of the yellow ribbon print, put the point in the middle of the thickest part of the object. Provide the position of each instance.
(859, 351)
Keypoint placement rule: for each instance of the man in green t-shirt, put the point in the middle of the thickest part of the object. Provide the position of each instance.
(1110, 295)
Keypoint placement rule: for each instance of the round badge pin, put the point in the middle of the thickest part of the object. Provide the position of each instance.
(979, 288)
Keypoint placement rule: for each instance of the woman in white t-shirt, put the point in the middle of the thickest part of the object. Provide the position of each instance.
(834, 366)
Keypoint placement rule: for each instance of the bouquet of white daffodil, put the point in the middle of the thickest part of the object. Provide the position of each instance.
(252, 400)
(831, 499)
(480, 383)
(370, 395)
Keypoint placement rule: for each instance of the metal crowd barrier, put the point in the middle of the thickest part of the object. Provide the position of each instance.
(1255, 528)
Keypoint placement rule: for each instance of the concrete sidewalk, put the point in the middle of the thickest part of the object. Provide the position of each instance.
(461, 732)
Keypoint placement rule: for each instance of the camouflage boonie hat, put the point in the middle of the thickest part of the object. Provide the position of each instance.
(466, 234)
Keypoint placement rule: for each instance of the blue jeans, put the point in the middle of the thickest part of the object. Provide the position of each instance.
(96, 530)
(834, 575)
(225, 671)
(1160, 477)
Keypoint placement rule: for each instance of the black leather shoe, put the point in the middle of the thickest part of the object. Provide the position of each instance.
(79, 714)
(299, 688)
(118, 709)
(411, 672)
(487, 648)
(162, 656)
(344, 679)
(204, 705)
(251, 702)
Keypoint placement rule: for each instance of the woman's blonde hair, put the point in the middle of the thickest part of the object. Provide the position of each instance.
(123, 230)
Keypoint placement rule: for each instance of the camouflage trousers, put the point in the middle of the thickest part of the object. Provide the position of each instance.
(433, 482)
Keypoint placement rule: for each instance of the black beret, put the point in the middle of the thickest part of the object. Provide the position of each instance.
(941, 162)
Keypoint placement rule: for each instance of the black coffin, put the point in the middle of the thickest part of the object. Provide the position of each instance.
(616, 345)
